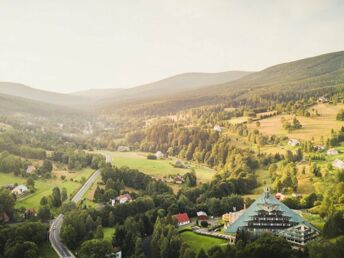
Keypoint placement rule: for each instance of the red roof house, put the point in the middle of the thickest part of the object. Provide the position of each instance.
(201, 215)
(182, 219)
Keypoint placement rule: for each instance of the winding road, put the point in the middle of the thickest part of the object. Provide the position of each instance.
(55, 228)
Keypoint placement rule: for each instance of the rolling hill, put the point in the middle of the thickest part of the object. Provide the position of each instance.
(315, 75)
(13, 105)
(172, 85)
(23, 91)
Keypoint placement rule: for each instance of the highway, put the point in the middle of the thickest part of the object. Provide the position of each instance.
(55, 228)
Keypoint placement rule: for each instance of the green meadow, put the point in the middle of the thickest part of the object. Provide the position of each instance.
(197, 242)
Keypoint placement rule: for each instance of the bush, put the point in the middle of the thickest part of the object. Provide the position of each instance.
(152, 157)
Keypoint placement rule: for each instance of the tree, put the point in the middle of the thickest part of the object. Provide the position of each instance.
(95, 248)
(30, 183)
(99, 233)
(334, 226)
(44, 201)
(7, 202)
(44, 213)
(64, 195)
(202, 254)
(56, 197)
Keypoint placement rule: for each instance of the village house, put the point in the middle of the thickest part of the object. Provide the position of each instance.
(279, 196)
(202, 216)
(123, 148)
(182, 219)
(159, 155)
(217, 128)
(337, 163)
(30, 169)
(293, 142)
(322, 99)
(332, 152)
(124, 198)
(20, 189)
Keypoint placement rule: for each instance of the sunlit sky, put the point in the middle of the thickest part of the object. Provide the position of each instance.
(71, 45)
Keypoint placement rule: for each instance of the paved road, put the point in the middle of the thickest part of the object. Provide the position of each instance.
(55, 228)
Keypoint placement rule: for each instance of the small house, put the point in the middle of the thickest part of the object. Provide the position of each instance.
(217, 128)
(20, 189)
(337, 163)
(201, 215)
(30, 169)
(159, 155)
(332, 152)
(322, 99)
(182, 219)
(123, 148)
(293, 142)
(124, 198)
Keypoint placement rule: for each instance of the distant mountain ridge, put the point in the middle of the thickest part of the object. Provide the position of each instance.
(171, 85)
(23, 91)
(306, 75)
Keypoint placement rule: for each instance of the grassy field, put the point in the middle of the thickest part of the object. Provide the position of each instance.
(312, 127)
(44, 186)
(157, 168)
(197, 242)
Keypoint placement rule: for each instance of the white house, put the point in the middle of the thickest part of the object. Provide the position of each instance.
(159, 155)
(293, 142)
(322, 99)
(217, 128)
(337, 163)
(332, 152)
(20, 189)
(123, 148)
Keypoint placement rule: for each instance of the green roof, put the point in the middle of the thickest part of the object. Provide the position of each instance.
(265, 198)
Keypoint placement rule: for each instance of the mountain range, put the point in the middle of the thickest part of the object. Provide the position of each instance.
(194, 89)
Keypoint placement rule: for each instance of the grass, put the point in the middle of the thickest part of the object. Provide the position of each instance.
(158, 168)
(238, 120)
(46, 251)
(44, 186)
(198, 242)
(315, 219)
(108, 233)
(312, 127)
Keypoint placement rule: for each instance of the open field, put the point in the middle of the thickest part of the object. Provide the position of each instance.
(44, 186)
(312, 127)
(238, 120)
(157, 168)
(197, 242)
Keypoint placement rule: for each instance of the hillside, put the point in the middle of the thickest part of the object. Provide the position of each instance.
(12, 104)
(172, 85)
(23, 91)
(313, 76)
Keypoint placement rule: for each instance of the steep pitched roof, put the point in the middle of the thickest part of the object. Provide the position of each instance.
(255, 206)
(182, 217)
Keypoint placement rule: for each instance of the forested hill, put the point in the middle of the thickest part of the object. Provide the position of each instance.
(311, 76)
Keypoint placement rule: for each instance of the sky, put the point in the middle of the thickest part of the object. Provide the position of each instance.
(73, 45)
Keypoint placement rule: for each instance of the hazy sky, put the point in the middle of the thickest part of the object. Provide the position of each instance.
(69, 45)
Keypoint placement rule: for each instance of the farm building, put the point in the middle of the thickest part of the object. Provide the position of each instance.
(201, 215)
(322, 99)
(20, 189)
(267, 214)
(293, 142)
(182, 219)
(332, 152)
(337, 163)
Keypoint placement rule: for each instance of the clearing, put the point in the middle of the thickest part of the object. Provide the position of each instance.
(198, 242)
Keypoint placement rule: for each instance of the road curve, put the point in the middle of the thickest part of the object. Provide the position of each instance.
(55, 228)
